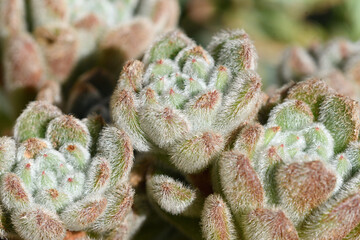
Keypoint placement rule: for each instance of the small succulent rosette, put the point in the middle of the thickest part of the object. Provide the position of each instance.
(60, 174)
(184, 100)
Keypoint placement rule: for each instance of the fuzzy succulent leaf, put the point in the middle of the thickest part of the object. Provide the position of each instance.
(264, 223)
(236, 172)
(171, 195)
(7, 154)
(216, 220)
(119, 205)
(338, 111)
(115, 146)
(38, 223)
(34, 120)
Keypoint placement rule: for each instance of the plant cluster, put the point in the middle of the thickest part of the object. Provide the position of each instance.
(216, 158)
(214, 171)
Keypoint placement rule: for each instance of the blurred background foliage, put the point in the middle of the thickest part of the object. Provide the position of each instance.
(273, 24)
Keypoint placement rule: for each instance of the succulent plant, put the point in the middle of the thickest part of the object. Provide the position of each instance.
(185, 96)
(61, 175)
(67, 36)
(336, 62)
(214, 172)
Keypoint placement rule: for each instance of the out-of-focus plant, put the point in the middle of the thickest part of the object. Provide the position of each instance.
(337, 62)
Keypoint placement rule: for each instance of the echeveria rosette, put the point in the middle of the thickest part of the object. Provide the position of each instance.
(295, 177)
(61, 174)
(185, 101)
